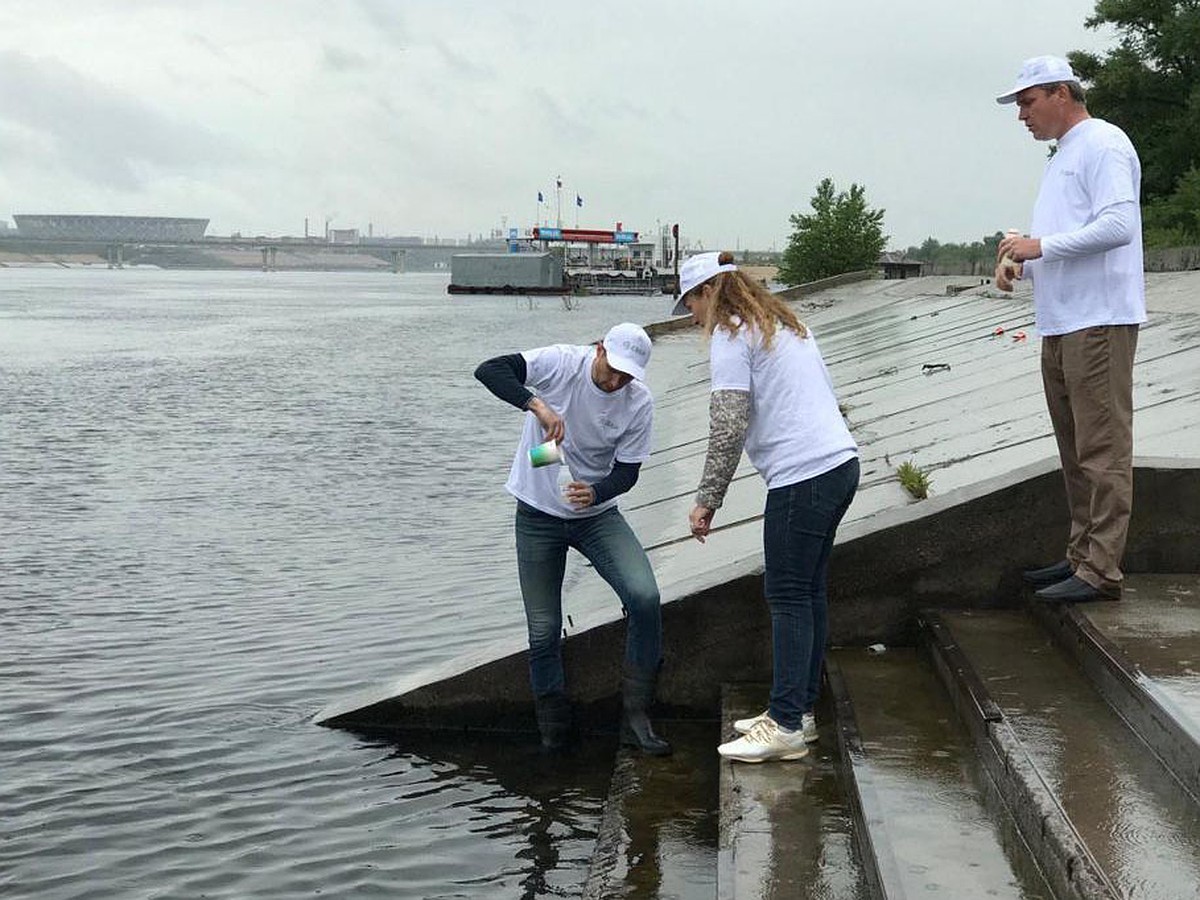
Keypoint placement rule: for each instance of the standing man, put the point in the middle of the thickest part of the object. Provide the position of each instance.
(1084, 257)
(593, 402)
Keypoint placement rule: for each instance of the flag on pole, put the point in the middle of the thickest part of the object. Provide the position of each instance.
(558, 182)
(578, 200)
(540, 198)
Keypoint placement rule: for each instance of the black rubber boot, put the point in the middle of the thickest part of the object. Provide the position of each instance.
(553, 713)
(637, 696)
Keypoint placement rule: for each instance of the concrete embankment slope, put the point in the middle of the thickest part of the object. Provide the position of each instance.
(949, 381)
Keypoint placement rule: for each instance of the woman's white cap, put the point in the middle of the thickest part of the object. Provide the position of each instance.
(699, 268)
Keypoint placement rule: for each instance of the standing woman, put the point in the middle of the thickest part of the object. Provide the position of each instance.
(772, 394)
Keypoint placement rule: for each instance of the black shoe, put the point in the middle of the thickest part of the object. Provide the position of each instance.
(1048, 575)
(1072, 590)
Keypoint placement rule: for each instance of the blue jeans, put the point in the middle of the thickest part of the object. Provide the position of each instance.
(617, 555)
(799, 526)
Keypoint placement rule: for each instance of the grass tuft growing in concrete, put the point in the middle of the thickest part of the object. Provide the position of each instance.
(914, 479)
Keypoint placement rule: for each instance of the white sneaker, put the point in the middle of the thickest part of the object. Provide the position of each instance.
(808, 724)
(766, 740)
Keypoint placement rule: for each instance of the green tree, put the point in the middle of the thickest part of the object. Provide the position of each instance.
(1175, 220)
(977, 257)
(1149, 86)
(842, 234)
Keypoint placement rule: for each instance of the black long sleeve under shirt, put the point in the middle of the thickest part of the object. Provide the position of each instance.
(505, 377)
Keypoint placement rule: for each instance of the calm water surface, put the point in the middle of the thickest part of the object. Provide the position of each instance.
(227, 499)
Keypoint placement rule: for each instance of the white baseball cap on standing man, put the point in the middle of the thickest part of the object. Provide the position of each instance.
(1039, 70)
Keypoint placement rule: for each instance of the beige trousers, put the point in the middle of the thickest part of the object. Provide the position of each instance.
(1088, 379)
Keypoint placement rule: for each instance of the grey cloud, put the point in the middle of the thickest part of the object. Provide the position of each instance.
(100, 134)
(209, 45)
(338, 59)
(461, 65)
(386, 18)
(562, 120)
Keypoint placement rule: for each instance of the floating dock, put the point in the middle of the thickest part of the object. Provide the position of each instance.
(506, 273)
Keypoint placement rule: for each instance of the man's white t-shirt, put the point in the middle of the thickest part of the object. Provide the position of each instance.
(1084, 279)
(796, 430)
(601, 428)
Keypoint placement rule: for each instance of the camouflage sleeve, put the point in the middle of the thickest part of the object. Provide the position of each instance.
(728, 419)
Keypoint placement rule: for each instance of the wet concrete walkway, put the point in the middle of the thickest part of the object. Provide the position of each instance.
(1141, 827)
(1157, 627)
(914, 791)
(787, 829)
(947, 839)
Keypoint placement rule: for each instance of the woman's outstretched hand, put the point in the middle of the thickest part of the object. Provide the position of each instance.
(700, 519)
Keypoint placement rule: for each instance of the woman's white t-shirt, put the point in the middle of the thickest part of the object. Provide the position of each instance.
(601, 428)
(796, 430)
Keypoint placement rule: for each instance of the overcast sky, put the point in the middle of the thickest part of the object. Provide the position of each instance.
(439, 117)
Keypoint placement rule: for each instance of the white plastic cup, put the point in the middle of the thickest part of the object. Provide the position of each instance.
(546, 454)
(1008, 265)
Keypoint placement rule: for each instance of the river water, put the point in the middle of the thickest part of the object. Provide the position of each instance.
(227, 499)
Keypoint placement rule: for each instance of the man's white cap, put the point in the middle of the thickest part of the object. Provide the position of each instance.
(1039, 70)
(699, 268)
(628, 349)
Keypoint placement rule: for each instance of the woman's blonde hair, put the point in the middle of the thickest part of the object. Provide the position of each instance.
(736, 297)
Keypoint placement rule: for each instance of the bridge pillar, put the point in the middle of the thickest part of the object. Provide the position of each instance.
(116, 256)
(398, 260)
(268, 255)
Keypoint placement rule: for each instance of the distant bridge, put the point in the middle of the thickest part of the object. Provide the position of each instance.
(119, 251)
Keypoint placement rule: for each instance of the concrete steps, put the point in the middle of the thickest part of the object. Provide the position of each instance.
(931, 825)
(1143, 655)
(1038, 752)
(1127, 821)
(787, 829)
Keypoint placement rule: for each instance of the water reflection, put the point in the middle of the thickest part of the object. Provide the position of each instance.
(656, 838)
(543, 809)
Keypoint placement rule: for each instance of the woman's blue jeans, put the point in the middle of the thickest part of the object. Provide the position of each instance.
(799, 526)
(608, 542)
